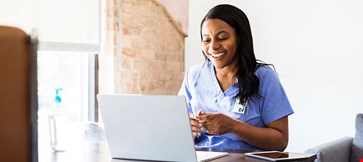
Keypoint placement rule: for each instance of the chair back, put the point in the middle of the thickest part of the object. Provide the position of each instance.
(357, 144)
(18, 96)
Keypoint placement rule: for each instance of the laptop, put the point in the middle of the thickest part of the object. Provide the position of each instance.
(150, 127)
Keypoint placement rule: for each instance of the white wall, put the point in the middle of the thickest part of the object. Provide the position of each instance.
(178, 8)
(66, 21)
(317, 49)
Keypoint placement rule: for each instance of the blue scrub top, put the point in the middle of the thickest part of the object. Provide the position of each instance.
(202, 91)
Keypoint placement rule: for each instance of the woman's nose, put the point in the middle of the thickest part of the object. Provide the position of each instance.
(214, 45)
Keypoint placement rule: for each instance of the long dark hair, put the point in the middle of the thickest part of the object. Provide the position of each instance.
(248, 83)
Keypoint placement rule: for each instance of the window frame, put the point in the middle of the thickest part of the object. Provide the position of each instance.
(92, 50)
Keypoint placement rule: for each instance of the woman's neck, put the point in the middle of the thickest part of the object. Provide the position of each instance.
(226, 76)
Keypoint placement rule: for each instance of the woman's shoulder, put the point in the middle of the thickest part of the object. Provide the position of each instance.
(196, 69)
(265, 71)
(198, 72)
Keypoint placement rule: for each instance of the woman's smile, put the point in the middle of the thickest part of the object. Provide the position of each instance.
(217, 55)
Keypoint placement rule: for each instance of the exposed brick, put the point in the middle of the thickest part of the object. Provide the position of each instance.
(146, 54)
(161, 55)
(115, 2)
(131, 31)
(130, 76)
(130, 53)
(127, 63)
(147, 49)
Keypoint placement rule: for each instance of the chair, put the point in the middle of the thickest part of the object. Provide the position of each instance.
(346, 149)
(18, 96)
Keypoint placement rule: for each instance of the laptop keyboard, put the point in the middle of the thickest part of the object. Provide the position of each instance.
(207, 155)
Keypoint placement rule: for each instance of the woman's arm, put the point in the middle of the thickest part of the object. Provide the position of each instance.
(274, 137)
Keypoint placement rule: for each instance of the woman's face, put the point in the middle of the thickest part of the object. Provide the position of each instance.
(219, 43)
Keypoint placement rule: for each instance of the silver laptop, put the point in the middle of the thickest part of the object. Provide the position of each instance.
(150, 127)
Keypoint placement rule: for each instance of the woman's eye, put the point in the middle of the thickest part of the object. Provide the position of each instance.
(206, 40)
(222, 38)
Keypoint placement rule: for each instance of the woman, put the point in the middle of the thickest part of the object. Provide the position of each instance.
(235, 101)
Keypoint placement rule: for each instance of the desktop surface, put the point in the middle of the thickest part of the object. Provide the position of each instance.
(97, 151)
(86, 147)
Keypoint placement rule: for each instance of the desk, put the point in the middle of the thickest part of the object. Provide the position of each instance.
(97, 151)
(90, 149)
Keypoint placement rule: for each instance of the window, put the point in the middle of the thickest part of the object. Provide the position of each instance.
(72, 75)
(72, 70)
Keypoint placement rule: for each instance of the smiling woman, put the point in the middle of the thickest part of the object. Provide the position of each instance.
(236, 102)
(219, 41)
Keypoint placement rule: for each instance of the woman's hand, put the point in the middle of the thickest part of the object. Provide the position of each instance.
(216, 123)
(274, 136)
(196, 125)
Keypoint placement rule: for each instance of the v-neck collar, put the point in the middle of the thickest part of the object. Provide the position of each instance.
(228, 91)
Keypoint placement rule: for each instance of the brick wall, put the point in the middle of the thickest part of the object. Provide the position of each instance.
(143, 49)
